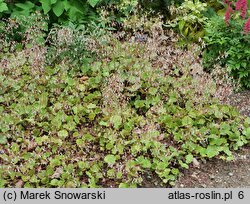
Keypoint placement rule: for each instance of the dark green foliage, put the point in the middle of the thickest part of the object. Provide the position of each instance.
(159, 6)
(59, 11)
(62, 11)
(228, 46)
(15, 33)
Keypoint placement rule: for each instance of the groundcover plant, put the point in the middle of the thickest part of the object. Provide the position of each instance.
(83, 106)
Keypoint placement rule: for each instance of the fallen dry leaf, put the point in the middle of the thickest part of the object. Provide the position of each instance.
(19, 184)
(83, 78)
(57, 173)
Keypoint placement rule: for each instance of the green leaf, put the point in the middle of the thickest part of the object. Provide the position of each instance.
(247, 121)
(246, 132)
(218, 114)
(74, 13)
(139, 103)
(91, 106)
(102, 123)
(187, 121)
(67, 5)
(46, 6)
(44, 99)
(79, 142)
(124, 185)
(63, 133)
(3, 7)
(111, 173)
(181, 25)
(218, 141)
(93, 3)
(58, 8)
(189, 158)
(82, 165)
(3, 139)
(225, 129)
(25, 6)
(145, 163)
(212, 151)
(152, 90)
(116, 121)
(110, 159)
(183, 165)
(2, 183)
(54, 182)
(53, 1)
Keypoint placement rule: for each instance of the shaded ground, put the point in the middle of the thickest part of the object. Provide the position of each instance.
(221, 174)
(241, 101)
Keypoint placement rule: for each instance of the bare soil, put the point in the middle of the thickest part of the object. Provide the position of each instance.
(241, 101)
(219, 174)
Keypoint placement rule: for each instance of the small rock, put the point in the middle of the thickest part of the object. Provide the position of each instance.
(141, 38)
(194, 175)
(243, 157)
(212, 177)
(196, 163)
(182, 186)
(230, 174)
(203, 185)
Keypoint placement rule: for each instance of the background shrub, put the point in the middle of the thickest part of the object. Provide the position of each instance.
(59, 11)
(189, 19)
(228, 44)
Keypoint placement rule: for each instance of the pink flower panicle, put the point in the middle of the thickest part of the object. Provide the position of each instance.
(228, 12)
(246, 27)
(241, 5)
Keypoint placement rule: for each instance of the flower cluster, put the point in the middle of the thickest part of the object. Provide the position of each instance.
(247, 26)
(228, 12)
(241, 6)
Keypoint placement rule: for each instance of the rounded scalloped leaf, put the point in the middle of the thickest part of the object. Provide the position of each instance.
(189, 158)
(3, 139)
(3, 7)
(58, 8)
(63, 133)
(93, 3)
(110, 159)
(246, 132)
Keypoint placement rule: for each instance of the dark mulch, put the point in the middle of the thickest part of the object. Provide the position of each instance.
(241, 101)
